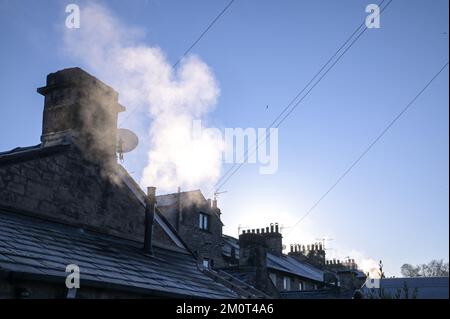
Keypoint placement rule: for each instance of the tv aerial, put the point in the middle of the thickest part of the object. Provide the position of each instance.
(217, 193)
(126, 142)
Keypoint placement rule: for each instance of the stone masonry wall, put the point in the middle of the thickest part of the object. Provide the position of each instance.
(66, 187)
(197, 239)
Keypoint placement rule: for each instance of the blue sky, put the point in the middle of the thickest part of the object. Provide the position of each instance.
(392, 206)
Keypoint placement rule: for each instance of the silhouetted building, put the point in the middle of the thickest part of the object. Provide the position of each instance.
(257, 258)
(67, 201)
(197, 221)
(407, 288)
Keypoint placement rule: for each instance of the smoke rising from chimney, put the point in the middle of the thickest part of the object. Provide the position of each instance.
(172, 98)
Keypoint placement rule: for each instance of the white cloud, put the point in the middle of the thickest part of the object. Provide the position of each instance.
(172, 98)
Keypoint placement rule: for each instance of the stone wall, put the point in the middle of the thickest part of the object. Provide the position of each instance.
(205, 243)
(16, 288)
(66, 187)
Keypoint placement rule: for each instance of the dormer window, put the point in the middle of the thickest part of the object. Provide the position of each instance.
(203, 221)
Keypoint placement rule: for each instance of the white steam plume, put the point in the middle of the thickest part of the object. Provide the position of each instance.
(366, 264)
(172, 98)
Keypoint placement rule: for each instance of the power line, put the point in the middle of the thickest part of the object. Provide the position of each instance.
(219, 182)
(204, 32)
(210, 25)
(371, 145)
(235, 167)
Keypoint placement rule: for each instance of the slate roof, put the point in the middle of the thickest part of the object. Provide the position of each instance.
(20, 149)
(283, 263)
(20, 154)
(427, 287)
(230, 242)
(291, 265)
(168, 202)
(41, 249)
(172, 198)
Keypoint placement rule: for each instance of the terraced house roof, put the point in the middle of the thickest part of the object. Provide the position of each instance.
(39, 249)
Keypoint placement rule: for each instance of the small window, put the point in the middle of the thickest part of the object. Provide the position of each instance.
(203, 221)
(301, 286)
(287, 283)
(205, 263)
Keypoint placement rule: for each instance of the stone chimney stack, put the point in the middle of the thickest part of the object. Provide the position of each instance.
(253, 255)
(271, 236)
(274, 239)
(214, 207)
(80, 109)
(314, 254)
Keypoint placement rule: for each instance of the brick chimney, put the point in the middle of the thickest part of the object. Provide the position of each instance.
(80, 109)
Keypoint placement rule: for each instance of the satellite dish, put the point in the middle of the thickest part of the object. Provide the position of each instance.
(126, 141)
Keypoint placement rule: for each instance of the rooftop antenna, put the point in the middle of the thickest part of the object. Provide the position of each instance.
(216, 193)
(282, 228)
(126, 142)
(324, 240)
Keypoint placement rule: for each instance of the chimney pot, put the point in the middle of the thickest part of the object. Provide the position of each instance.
(271, 228)
(276, 227)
